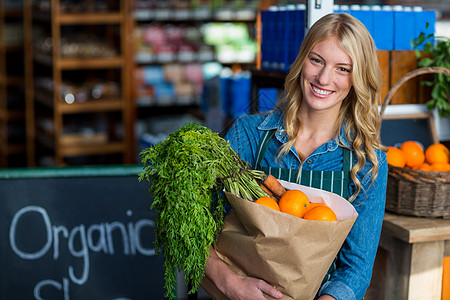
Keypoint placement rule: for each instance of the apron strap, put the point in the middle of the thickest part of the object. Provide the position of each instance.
(262, 147)
(348, 159)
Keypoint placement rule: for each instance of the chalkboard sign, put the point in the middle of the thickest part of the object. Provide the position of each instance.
(77, 233)
(418, 127)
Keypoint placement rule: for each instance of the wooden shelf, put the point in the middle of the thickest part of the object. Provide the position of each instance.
(11, 86)
(75, 145)
(11, 81)
(94, 149)
(12, 47)
(13, 148)
(80, 63)
(89, 63)
(80, 18)
(200, 15)
(13, 12)
(12, 115)
(62, 70)
(89, 18)
(90, 106)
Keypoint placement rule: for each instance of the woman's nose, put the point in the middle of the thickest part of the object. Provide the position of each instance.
(324, 76)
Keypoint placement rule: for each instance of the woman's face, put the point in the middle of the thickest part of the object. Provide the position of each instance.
(326, 77)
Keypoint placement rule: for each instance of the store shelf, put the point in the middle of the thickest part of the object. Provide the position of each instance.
(105, 60)
(77, 108)
(172, 38)
(71, 145)
(12, 12)
(13, 115)
(11, 81)
(201, 15)
(13, 148)
(89, 19)
(80, 63)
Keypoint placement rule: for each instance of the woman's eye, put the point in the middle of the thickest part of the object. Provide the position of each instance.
(344, 69)
(316, 60)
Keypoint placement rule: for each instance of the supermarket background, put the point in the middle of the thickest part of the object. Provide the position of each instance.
(99, 81)
(86, 85)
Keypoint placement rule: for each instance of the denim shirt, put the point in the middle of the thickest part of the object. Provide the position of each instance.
(352, 277)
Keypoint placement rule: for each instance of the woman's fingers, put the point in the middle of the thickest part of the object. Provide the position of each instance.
(270, 290)
(249, 288)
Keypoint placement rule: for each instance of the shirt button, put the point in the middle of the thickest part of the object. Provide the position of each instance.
(309, 161)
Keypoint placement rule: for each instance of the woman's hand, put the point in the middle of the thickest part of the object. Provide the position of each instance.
(234, 286)
(242, 288)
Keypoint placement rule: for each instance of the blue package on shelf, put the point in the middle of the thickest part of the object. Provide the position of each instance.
(267, 36)
(421, 19)
(267, 99)
(225, 93)
(240, 96)
(279, 29)
(153, 75)
(363, 15)
(383, 27)
(164, 93)
(404, 31)
(283, 30)
(212, 104)
(288, 35)
(281, 38)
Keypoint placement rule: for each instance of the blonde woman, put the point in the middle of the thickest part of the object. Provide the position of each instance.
(323, 133)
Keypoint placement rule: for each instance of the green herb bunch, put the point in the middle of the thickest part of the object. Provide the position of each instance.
(435, 55)
(187, 172)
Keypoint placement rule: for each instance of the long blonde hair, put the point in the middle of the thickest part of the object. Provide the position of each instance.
(359, 110)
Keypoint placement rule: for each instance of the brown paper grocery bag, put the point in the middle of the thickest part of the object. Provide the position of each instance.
(288, 252)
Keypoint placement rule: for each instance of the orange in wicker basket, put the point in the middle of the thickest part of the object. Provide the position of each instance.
(437, 153)
(418, 192)
(395, 157)
(414, 154)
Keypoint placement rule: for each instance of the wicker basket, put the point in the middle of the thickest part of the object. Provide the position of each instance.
(415, 192)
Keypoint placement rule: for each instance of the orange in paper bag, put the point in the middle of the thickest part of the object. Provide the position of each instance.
(294, 202)
(289, 253)
(320, 213)
(269, 202)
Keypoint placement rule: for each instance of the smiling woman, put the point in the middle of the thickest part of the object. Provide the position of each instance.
(324, 133)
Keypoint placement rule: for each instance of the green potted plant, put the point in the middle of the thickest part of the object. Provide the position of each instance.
(435, 55)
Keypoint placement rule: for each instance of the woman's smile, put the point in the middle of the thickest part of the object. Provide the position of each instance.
(319, 92)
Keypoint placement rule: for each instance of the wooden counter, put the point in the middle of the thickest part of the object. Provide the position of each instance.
(409, 262)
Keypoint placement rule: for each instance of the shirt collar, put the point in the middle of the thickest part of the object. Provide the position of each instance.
(275, 120)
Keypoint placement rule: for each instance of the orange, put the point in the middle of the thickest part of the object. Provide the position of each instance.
(320, 213)
(314, 204)
(440, 167)
(437, 153)
(425, 167)
(414, 154)
(269, 202)
(395, 157)
(294, 202)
